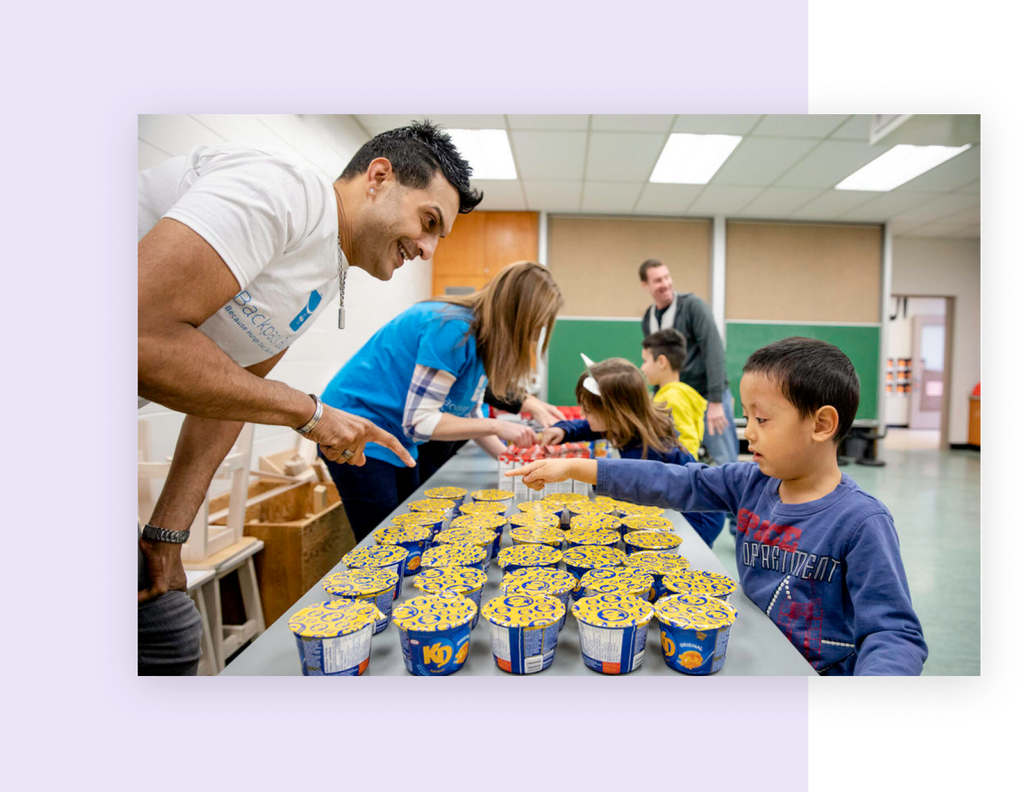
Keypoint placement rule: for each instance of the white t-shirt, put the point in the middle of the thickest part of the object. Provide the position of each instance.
(275, 225)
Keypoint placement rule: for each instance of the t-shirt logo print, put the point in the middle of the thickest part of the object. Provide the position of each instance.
(305, 313)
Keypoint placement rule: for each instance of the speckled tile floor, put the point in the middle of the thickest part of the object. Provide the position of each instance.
(935, 500)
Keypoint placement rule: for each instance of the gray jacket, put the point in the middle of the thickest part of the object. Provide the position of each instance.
(704, 369)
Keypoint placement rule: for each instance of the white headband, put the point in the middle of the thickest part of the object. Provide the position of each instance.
(590, 383)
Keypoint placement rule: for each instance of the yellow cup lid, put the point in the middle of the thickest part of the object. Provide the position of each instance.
(488, 521)
(593, 556)
(431, 505)
(448, 493)
(694, 613)
(529, 555)
(564, 497)
(537, 534)
(433, 613)
(697, 581)
(492, 495)
(594, 520)
(333, 619)
(626, 509)
(643, 522)
(520, 609)
(617, 580)
(397, 534)
(657, 562)
(547, 518)
(592, 536)
(652, 540)
(378, 556)
(547, 507)
(360, 582)
(484, 507)
(604, 499)
(418, 518)
(452, 554)
(460, 579)
(613, 610)
(589, 507)
(539, 580)
(474, 536)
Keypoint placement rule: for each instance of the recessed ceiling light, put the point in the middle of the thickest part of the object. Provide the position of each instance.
(693, 159)
(897, 166)
(487, 150)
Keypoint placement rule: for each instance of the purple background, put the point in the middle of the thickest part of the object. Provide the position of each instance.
(70, 203)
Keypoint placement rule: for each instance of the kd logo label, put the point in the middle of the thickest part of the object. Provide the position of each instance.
(438, 654)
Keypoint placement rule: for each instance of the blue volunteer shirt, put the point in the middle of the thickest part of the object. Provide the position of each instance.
(375, 381)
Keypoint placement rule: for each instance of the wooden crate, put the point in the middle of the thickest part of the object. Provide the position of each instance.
(301, 543)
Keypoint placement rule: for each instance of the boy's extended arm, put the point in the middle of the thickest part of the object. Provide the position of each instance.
(685, 488)
(887, 632)
(577, 431)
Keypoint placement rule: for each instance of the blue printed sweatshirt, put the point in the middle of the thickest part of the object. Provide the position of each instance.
(707, 525)
(828, 572)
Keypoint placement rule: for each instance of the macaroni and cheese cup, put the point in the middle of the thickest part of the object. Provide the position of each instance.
(700, 583)
(643, 522)
(483, 538)
(493, 496)
(618, 580)
(413, 538)
(434, 632)
(458, 580)
(595, 520)
(455, 494)
(585, 507)
(550, 519)
(650, 540)
(537, 534)
(528, 555)
(432, 520)
(524, 631)
(603, 537)
(658, 564)
(334, 637)
(562, 501)
(694, 632)
(580, 560)
(540, 506)
(446, 508)
(371, 585)
(390, 557)
(604, 499)
(492, 522)
(613, 631)
(541, 580)
(484, 507)
(453, 554)
(633, 509)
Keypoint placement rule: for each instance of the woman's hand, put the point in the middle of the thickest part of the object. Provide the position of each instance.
(550, 471)
(546, 414)
(516, 433)
(552, 436)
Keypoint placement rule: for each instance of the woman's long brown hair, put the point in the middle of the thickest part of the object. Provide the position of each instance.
(508, 316)
(626, 408)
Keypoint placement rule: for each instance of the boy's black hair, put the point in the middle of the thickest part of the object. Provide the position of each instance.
(649, 264)
(416, 153)
(670, 343)
(811, 374)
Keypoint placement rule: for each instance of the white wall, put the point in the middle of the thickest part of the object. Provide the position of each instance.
(900, 337)
(327, 143)
(948, 268)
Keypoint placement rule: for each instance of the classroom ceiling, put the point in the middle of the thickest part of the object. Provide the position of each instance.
(785, 168)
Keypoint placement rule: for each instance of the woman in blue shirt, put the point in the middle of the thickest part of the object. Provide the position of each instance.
(423, 376)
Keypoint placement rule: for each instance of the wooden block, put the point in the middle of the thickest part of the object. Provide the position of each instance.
(294, 466)
(319, 498)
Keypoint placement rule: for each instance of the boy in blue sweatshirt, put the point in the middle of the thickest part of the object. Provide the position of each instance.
(814, 551)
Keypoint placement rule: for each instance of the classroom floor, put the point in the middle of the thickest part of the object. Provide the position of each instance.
(935, 500)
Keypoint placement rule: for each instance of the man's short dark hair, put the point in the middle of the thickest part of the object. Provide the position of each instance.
(670, 343)
(649, 264)
(417, 152)
(811, 374)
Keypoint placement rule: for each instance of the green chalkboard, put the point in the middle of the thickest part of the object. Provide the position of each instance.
(601, 339)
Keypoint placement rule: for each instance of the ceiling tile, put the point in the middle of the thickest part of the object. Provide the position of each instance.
(973, 188)
(940, 207)
(721, 200)
(500, 194)
(716, 124)
(616, 197)
(779, 201)
(670, 199)
(808, 126)
(963, 169)
(832, 204)
(857, 128)
(972, 215)
(548, 122)
(885, 206)
(623, 156)
(760, 161)
(937, 230)
(552, 196)
(631, 123)
(830, 163)
(375, 124)
(549, 155)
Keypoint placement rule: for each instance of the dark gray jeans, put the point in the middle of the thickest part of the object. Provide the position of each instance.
(170, 632)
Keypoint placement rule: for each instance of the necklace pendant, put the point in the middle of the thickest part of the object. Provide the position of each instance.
(341, 318)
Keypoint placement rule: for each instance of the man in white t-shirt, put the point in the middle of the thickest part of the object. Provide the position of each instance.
(240, 251)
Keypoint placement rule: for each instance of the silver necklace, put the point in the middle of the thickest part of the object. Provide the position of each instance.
(342, 271)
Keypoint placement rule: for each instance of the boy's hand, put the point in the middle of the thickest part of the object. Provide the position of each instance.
(549, 471)
(552, 436)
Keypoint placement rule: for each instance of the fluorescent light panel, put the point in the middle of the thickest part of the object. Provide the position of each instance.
(897, 166)
(693, 159)
(487, 150)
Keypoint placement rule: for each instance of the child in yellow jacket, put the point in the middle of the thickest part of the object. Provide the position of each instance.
(663, 353)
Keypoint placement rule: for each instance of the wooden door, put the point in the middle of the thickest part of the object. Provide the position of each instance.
(481, 243)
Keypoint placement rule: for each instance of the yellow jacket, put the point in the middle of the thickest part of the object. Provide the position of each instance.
(688, 408)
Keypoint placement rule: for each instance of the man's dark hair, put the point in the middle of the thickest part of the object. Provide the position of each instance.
(416, 152)
(670, 343)
(649, 264)
(811, 374)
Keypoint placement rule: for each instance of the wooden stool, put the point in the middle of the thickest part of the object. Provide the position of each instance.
(197, 580)
(228, 638)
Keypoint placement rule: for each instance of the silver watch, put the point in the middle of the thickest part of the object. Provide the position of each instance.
(154, 534)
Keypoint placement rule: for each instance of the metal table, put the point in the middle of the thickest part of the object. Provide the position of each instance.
(756, 646)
